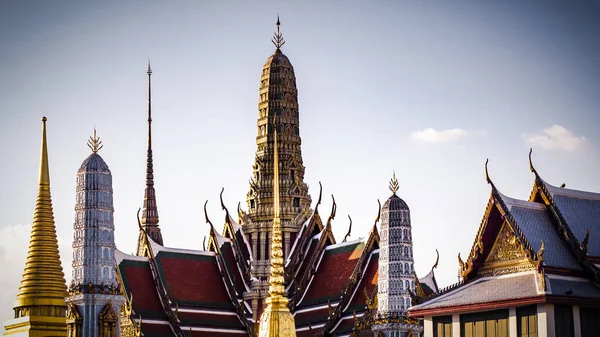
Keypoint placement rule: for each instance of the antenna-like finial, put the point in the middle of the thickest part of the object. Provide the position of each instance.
(394, 183)
(277, 39)
(487, 175)
(94, 143)
(149, 69)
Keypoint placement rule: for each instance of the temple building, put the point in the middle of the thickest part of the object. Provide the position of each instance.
(533, 269)
(278, 257)
(275, 270)
(40, 308)
(94, 300)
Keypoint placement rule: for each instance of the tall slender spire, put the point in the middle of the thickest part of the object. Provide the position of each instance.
(150, 211)
(43, 283)
(276, 320)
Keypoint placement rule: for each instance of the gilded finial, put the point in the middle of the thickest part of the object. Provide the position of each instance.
(206, 215)
(349, 229)
(394, 183)
(540, 253)
(487, 175)
(94, 143)
(278, 38)
(319, 200)
(461, 263)
(378, 213)
(531, 168)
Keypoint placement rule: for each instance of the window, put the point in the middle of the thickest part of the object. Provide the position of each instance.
(485, 324)
(252, 203)
(442, 326)
(590, 324)
(296, 202)
(563, 320)
(527, 321)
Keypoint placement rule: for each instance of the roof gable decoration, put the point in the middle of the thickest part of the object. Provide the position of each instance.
(541, 192)
(509, 255)
(496, 216)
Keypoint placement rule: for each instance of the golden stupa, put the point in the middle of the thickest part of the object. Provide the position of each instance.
(40, 306)
(276, 319)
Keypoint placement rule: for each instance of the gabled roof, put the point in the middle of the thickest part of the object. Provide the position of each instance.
(194, 291)
(345, 273)
(577, 214)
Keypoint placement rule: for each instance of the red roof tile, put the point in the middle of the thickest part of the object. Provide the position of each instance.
(193, 280)
(333, 273)
(137, 279)
(368, 281)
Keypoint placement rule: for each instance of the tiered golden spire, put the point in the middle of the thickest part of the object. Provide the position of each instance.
(43, 288)
(276, 319)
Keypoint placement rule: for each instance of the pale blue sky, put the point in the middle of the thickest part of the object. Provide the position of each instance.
(488, 78)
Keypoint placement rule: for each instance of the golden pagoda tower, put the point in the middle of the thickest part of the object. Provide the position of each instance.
(276, 319)
(40, 307)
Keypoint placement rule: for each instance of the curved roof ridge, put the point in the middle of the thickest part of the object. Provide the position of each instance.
(510, 202)
(120, 256)
(347, 243)
(156, 248)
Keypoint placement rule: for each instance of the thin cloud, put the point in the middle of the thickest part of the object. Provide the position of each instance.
(430, 135)
(555, 137)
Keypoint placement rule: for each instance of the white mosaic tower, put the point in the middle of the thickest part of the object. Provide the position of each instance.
(396, 271)
(94, 298)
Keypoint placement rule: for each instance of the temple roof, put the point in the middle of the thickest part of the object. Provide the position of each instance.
(487, 289)
(537, 224)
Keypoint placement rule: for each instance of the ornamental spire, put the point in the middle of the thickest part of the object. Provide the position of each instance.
(276, 320)
(43, 284)
(277, 39)
(394, 183)
(94, 143)
(149, 209)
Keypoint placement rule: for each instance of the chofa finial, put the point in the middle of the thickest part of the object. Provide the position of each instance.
(487, 175)
(531, 168)
(277, 39)
(394, 183)
(94, 143)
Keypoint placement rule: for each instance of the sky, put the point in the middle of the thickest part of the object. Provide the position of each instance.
(428, 89)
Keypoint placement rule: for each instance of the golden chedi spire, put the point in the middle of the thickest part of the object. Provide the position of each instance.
(276, 319)
(40, 306)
